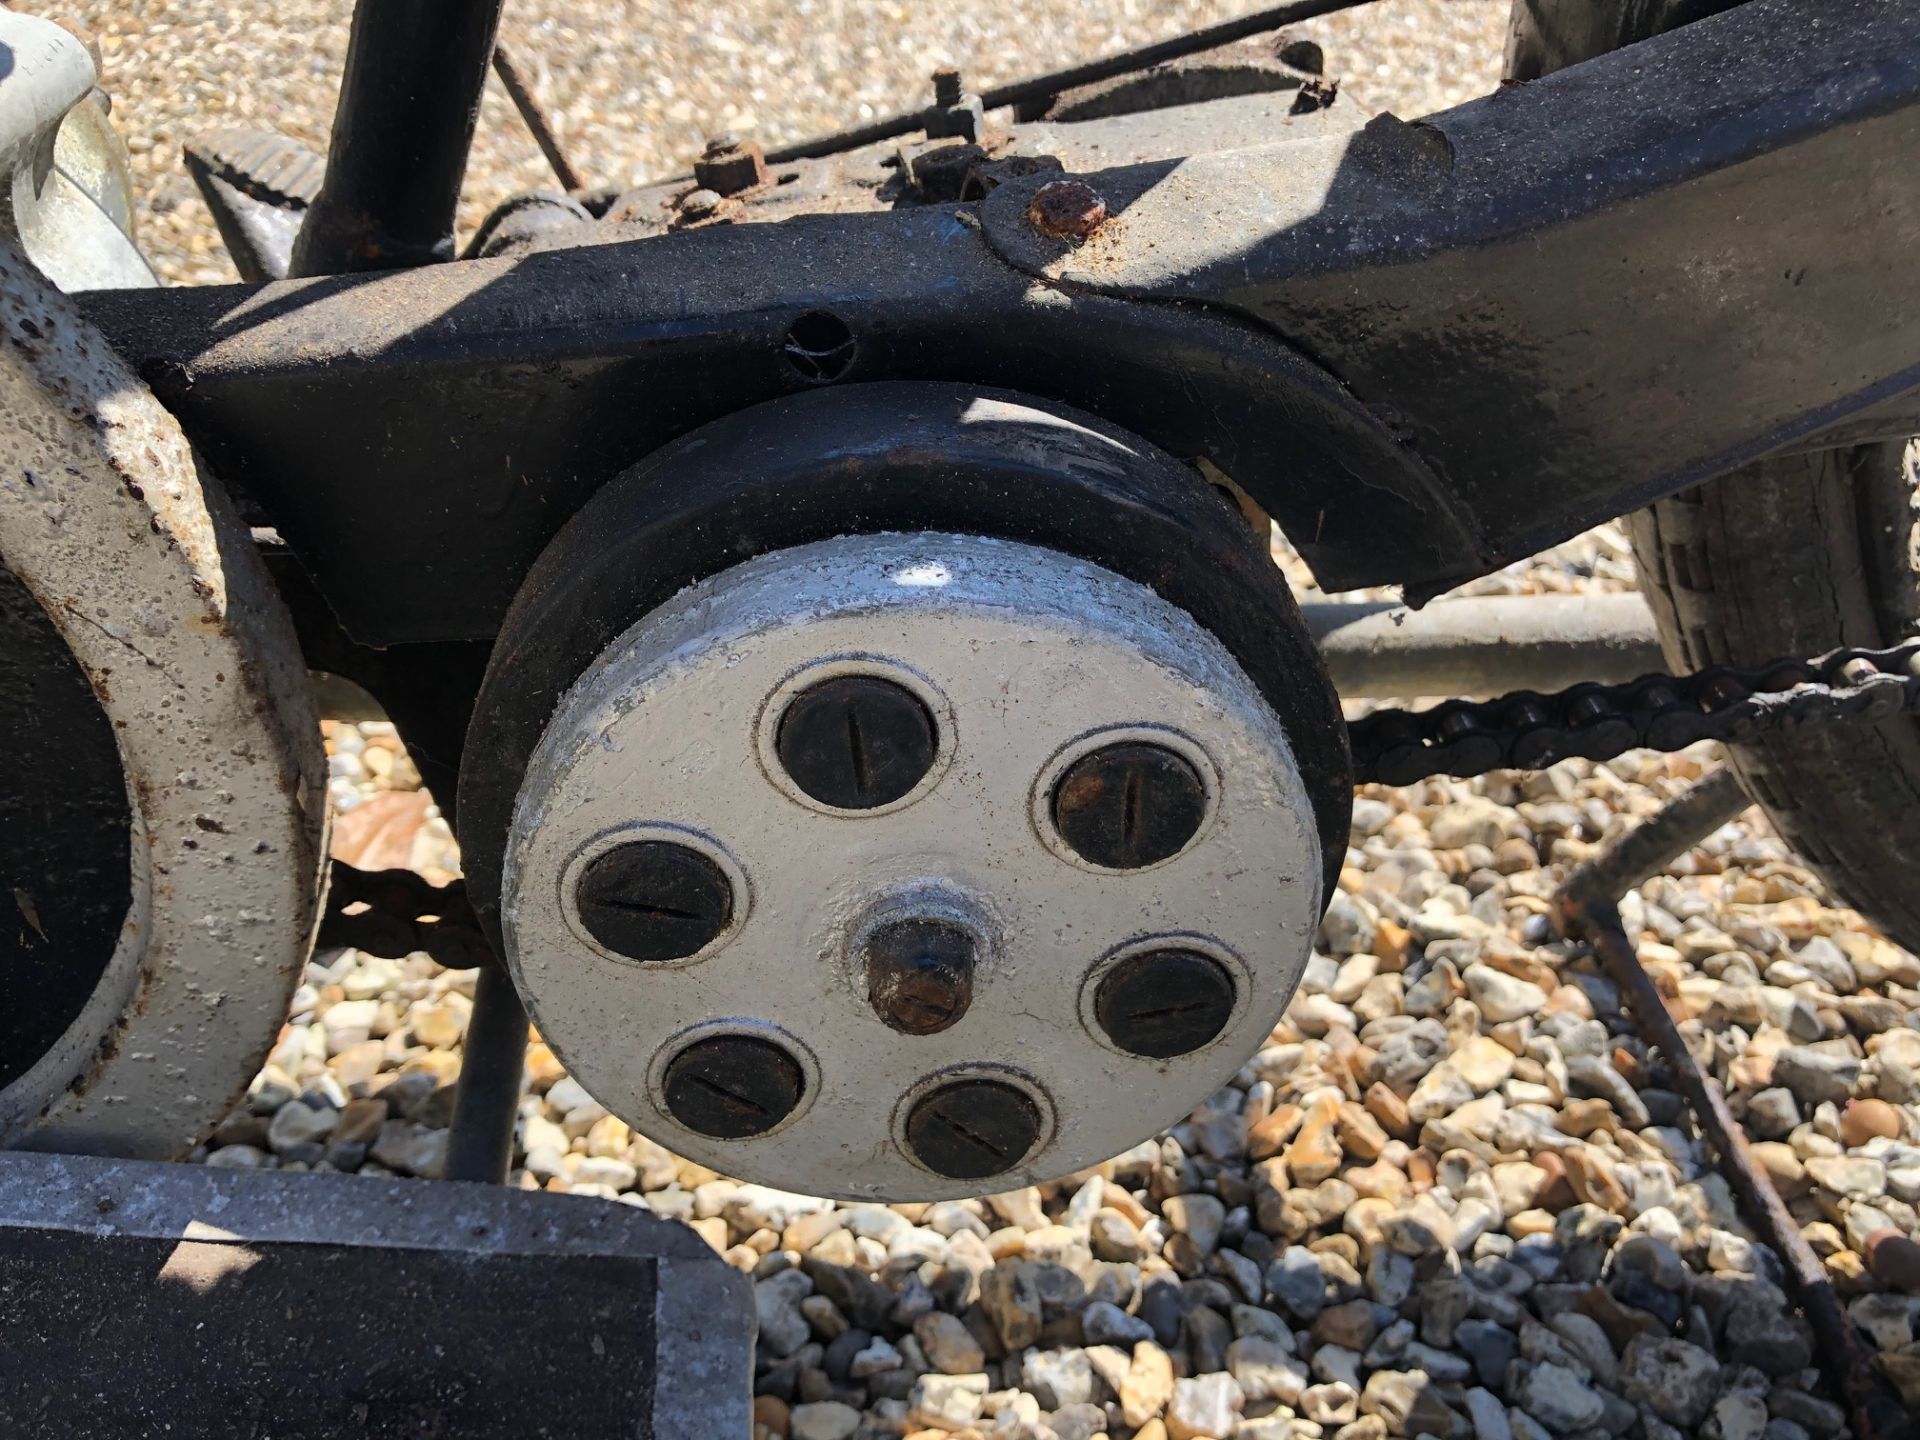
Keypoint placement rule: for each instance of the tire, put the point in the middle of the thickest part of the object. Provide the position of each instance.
(1794, 556)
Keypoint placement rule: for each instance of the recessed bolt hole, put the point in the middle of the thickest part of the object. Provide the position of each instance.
(732, 1087)
(972, 1129)
(653, 900)
(820, 347)
(1129, 805)
(856, 742)
(1164, 1002)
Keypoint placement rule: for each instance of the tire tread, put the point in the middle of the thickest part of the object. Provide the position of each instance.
(1774, 560)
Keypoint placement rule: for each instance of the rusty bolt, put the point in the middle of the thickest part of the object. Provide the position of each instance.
(947, 88)
(920, 974)
(1066, 210)
(730, 165)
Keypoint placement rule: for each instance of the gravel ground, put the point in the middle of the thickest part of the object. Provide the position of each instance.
(635, 86)
(1454, 1195)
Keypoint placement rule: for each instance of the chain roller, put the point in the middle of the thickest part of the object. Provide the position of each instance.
(1529, 731)
(397, 913)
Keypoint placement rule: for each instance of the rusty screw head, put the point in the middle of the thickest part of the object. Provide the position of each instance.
(972, 1129)
(1129, 805)
(1164, 1002)
(653, 900)
(731, 1087)
(1066, 210)
(856, 742)
(920, 973)
(730, 165)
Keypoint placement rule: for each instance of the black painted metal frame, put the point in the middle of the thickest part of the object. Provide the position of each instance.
(1428, 349)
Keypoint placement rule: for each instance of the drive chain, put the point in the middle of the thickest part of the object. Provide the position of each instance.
(1731, 703)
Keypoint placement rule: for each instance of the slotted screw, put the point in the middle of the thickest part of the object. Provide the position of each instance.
(856, 742)
(1129, 805)
(653, 900)
(972, 1129)
(1164, 1003)
(731, 1087)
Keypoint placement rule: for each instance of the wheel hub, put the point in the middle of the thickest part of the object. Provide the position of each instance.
(907, 866)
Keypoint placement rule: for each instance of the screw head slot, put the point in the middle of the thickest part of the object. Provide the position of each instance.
(732, 1087)
(654, 900)
(1163, 1003)
(1129, 805)
(856, 742)
(973, 1129)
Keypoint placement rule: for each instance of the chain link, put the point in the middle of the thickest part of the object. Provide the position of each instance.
(397, 913)
(1529, 731)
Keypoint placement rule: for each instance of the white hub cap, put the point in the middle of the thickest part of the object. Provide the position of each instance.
(909, 867)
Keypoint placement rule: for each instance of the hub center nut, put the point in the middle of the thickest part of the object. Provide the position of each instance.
(920, 973)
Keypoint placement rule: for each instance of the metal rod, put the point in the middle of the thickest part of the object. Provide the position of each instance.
(520, 91)
(1484, 645)
(1655, 843)
(1589, 909)
(492, 1062)
(409, 100)
(1213, 36)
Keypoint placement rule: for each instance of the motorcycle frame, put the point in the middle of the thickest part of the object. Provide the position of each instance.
(1427, 349)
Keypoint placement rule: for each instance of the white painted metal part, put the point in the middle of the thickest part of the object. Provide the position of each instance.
(1020, 654)
(157, 590)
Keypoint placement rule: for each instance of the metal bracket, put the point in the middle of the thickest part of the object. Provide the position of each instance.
(142, 1298)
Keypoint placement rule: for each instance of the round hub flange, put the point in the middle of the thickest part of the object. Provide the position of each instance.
(910, 866)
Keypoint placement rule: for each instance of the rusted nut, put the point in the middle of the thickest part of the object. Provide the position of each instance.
(940, 172)
(1066, 210)
(920, 974)
(730, 166)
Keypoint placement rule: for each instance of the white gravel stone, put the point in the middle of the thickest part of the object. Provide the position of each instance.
(824, 1420)
(947, 1402)
(1204, 1408)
